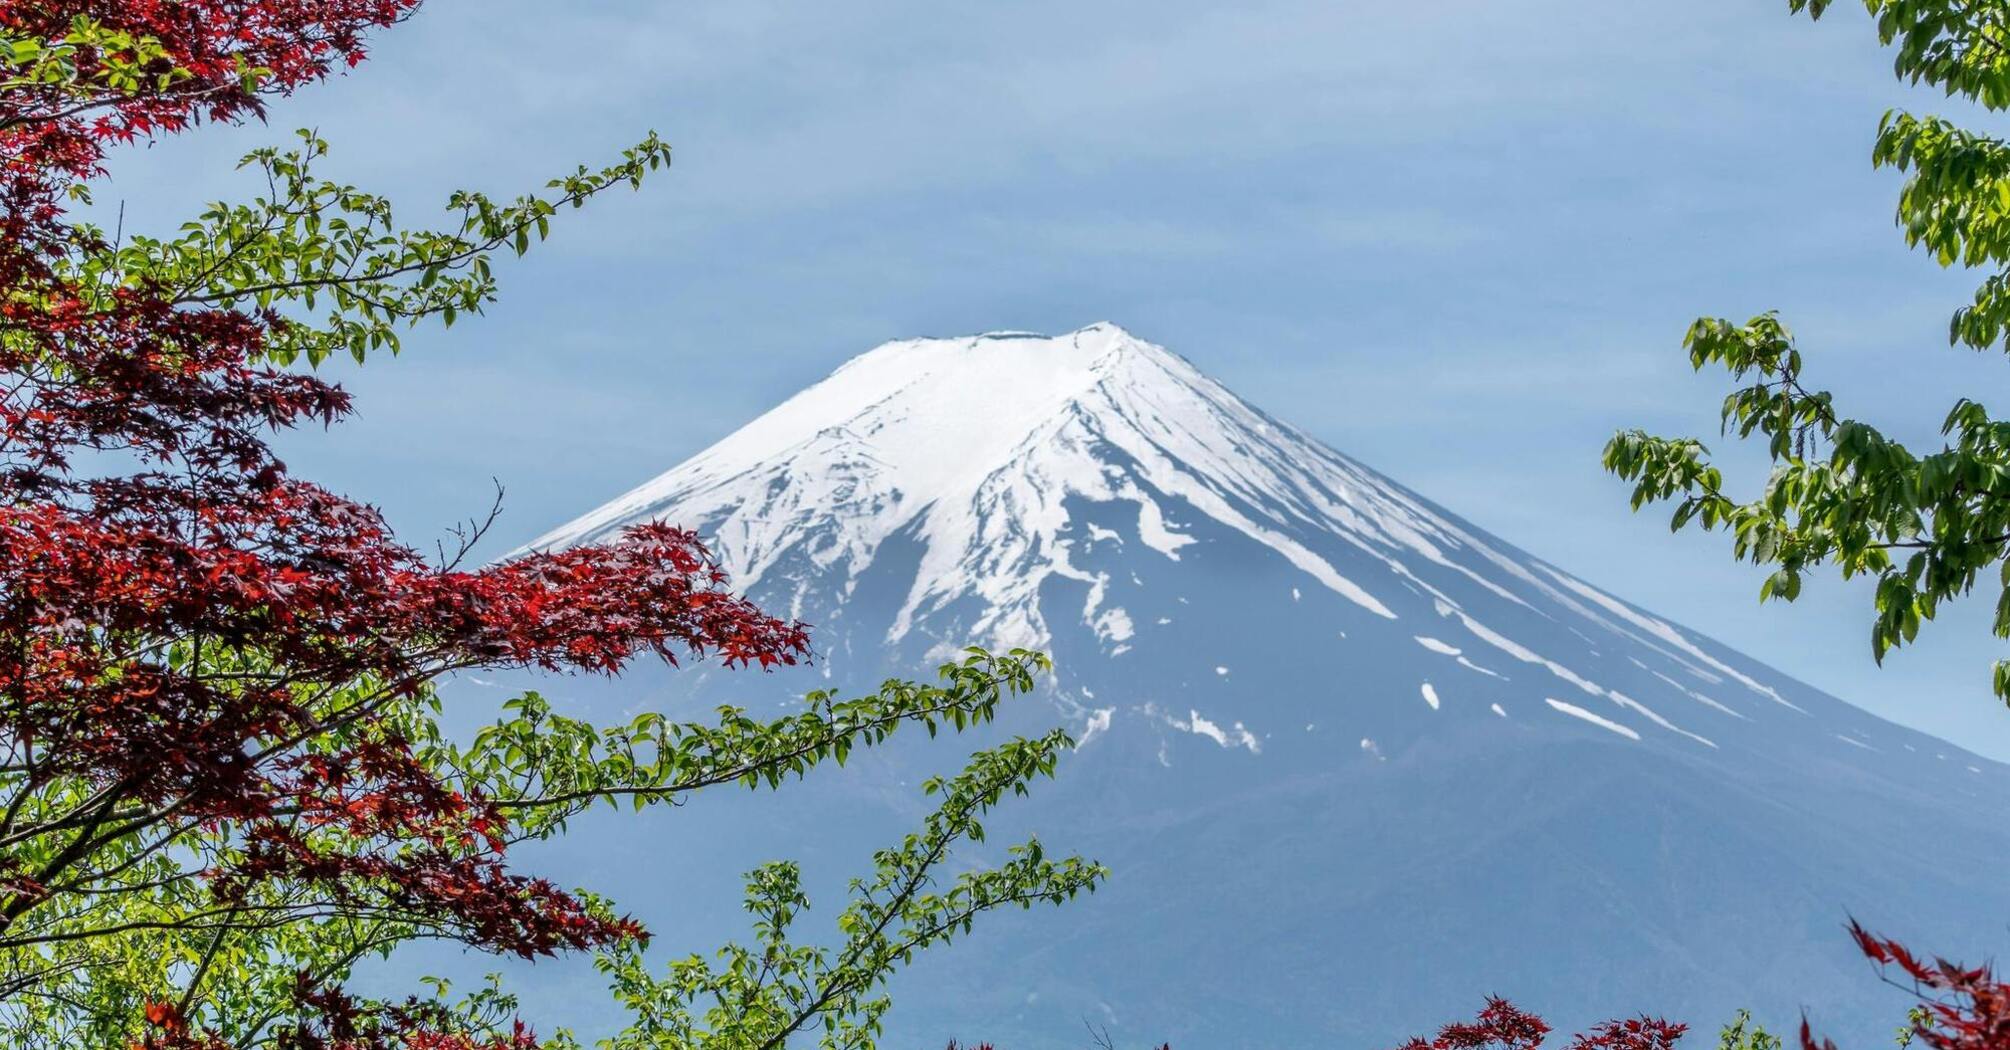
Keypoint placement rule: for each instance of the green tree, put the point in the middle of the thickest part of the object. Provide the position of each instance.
(1742, 1034)
(1925, 524)
(223, 779)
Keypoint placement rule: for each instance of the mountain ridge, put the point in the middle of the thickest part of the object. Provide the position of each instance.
(833, 473)
(1314, 709)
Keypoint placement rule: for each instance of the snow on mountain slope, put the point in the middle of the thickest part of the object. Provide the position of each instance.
(1355, 763)
(978, 445)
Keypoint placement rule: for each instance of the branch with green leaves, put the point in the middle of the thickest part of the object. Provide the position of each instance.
(1927, 526)
(777, 992)
(223, 779)
(541, 768)
(333, 262)
(143, 927)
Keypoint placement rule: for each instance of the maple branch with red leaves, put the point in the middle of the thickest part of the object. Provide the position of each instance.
(222, 777)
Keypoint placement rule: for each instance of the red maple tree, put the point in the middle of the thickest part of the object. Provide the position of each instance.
(1501, 1025)
(201, 639)
(1962, 1007)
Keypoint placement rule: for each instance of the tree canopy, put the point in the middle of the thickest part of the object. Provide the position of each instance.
(1925, 524)
(223, 780)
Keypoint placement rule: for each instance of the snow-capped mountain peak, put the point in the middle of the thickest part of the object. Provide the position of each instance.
(978, 457)
(1312, 709)
(921, 418)
(983, 439)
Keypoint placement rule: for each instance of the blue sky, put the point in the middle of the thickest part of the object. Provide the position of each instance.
(1459, 241)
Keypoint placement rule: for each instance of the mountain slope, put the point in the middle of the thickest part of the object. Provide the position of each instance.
(1355, 762)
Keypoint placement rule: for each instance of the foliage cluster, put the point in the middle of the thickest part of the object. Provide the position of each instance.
(223, 781)
(1926, 525)
(1959, 1008)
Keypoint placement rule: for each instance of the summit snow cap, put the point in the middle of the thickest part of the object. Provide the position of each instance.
(982, 449)
(979, 441)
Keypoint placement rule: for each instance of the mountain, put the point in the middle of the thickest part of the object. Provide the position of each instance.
(1355, 763)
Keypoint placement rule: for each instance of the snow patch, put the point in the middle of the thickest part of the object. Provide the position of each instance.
(1430, 696)
(1468, 664)
(1691, 693)
(1667, 633)
(1628, 702)
(1603, 723)
(1153, 531)
(1437, 646)
(1527, 655)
